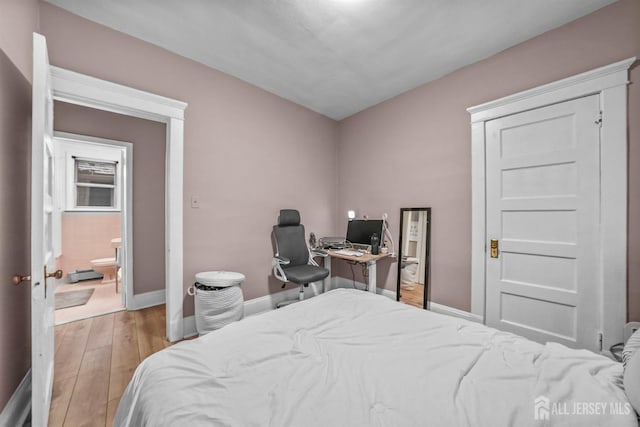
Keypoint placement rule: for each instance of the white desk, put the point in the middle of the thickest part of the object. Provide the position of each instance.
(368, 259)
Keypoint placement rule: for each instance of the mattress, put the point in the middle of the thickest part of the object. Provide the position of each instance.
(352, 358)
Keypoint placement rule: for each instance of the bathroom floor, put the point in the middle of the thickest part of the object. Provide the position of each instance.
(413, 296)
(104, 300)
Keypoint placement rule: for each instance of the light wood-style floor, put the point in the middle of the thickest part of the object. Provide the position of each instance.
(94, 361)
(413, 296)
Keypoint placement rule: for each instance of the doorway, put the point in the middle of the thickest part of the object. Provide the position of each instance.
(93, 237)
(606, 88)
(51, 83)
(82, 90)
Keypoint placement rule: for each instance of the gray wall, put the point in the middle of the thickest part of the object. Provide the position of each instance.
(421, 141)
(18, 19)
(247, 153)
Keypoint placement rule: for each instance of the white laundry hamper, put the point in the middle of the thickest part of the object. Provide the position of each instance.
(218, 299)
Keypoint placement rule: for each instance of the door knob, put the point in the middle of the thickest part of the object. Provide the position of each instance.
(56, 274)
(17, 279)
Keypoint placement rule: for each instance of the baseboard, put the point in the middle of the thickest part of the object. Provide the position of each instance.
(268, 302)
(450, 311)
(189, 327)
(341, 282)
(147, 299)
(260, 305)
(387, 293)
(18, 407)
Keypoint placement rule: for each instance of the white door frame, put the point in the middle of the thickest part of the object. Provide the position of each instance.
(80, 89)
(610, 82)
(126, 202)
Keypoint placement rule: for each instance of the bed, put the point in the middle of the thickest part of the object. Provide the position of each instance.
(352, 358)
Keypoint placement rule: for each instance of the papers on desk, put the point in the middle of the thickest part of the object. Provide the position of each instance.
(348, 252)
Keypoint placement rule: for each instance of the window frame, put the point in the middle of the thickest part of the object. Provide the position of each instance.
(94, 153)
(77, 184)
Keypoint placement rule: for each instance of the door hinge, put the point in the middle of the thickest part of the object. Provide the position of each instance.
(599, 119)
(600, 339)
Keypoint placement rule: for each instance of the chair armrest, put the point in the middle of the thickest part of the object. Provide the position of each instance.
(280, 260)
(277, 263)
(319, 252)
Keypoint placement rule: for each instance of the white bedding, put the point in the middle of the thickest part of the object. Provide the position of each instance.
(351, 358)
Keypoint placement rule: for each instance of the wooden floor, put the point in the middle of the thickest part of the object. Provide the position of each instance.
(413, 296)
(95, 359)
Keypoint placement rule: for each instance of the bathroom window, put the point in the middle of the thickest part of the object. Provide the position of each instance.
(92, 177)
(95, 183)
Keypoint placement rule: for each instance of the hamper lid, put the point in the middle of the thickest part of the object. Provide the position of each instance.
(220, 278)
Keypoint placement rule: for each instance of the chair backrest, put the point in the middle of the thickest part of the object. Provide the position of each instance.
(290, 240)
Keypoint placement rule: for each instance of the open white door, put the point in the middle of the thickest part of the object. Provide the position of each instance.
(42, 282)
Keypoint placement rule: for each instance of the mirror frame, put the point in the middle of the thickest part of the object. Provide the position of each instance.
(427, 267)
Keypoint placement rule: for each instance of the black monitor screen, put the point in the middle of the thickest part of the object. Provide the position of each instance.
(359, 230)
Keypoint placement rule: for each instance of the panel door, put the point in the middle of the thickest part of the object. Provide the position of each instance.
(543, 198)
(42, 288)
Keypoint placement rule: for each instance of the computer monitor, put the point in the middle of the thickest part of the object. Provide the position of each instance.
(359, 231)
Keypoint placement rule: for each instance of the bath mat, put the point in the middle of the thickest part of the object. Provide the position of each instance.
(73, 298)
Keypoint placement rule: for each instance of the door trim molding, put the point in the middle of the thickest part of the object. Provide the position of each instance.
(610, 82)
(80, 89)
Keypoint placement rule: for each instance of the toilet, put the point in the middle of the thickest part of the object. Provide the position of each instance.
(107, 267)
(409, 271)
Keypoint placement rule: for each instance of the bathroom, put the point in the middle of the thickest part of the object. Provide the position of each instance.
(87, 229)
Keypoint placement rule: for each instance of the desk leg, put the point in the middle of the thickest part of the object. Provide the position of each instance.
(327, 280)
(373, 282)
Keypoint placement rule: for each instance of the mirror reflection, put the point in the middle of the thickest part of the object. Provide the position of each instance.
(413, 259)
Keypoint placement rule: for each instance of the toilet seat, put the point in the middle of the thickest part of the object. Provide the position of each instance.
(103, 262)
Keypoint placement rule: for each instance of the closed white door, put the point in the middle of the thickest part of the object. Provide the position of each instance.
(543, 199)
(42, 287)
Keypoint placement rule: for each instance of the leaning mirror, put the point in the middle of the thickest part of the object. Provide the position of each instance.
(413, 259)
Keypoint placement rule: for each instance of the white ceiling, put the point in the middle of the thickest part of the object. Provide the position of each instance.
(336, 57)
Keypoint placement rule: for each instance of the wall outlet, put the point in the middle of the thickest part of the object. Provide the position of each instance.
(195, 202)
(629, 329)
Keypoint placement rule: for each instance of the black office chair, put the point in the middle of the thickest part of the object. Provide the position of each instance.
(293, 261)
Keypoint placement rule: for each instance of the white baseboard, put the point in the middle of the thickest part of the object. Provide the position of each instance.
(450, 311)
(18, 407)
(260, 305)
(387, 293)
(147, 299)
(189, 326)
(269, 302)
(341, 282)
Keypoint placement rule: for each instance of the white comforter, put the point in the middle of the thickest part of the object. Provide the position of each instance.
(351, 358)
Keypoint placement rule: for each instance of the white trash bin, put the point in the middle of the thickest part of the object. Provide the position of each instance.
(218, 299)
